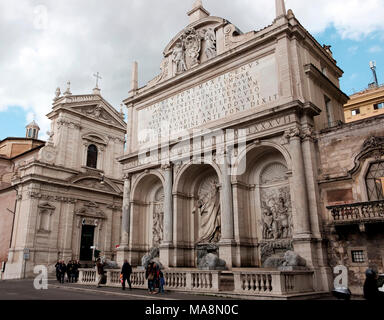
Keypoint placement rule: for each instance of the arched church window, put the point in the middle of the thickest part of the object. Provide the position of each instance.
(375, 181)
(92, 156)
(29, 133)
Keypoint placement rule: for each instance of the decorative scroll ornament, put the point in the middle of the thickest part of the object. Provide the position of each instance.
(373, 147)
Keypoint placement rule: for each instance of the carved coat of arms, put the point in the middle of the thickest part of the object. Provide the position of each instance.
(192, 44)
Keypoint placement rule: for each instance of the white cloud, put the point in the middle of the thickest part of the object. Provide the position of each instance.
(45, 43)
(375, 49)
(353, 50)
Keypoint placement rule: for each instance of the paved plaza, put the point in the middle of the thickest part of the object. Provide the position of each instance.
(24, 290)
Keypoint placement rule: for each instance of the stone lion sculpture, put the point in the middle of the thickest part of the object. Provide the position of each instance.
(289, 259)
(292, 259)
(211, 262)
(108, 264)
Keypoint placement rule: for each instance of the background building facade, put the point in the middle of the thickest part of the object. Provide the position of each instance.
(69, 192)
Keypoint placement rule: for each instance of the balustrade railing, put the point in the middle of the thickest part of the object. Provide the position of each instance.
(272, 283)
(359, 212)
(87, 276)
(258, 282)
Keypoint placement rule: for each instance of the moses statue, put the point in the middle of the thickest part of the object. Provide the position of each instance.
(208, 207)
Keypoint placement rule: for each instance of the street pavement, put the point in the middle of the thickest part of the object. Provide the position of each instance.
(24, 290)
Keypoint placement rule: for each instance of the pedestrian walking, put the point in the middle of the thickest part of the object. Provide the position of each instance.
(63, 271)
(69, 270)
(126, 272)
(75, 271)
(100, 273)
(57, 267)
(150, 275)
(371, 290)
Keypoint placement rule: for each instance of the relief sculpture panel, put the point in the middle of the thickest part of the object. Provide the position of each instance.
(276, 213)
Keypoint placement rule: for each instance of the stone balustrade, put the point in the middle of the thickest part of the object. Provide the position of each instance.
(273, 283)
(87, 276)
(257, 282)
(357, 212)
(177, 279)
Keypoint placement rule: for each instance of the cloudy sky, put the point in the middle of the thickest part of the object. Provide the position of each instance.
(45, 43)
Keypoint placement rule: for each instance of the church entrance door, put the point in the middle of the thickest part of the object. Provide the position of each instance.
(87, 236)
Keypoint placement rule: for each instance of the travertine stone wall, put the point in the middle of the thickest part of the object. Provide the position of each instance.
(338, 151)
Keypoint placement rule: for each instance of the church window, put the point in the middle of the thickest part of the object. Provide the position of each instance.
(378, 106)
(92, 156)
(355, 112)
(29, 133)
(328, 108)
(44, 220)
(375, 181)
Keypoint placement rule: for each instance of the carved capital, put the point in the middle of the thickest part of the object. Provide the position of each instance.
(127, 176)
(166, 167)
(294, 133)
(309, 134)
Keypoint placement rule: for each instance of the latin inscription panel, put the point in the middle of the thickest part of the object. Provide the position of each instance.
(247, 87)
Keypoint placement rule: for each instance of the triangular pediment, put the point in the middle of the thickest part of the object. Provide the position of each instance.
(94, 183)
(101, 112)
(93, 107)
(90, 213)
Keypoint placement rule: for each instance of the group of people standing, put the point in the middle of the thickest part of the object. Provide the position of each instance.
(155, 278)
(153, 274)
(71, 270)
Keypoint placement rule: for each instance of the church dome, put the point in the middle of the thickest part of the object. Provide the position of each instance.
(32, 131)
(34, 125)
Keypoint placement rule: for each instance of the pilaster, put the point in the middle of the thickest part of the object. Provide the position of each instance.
(122, 251)
(166, 247)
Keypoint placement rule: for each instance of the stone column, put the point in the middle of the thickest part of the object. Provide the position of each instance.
(126, 211)
(167, 243)
(122, 251)
(301, 227)
(301, 218)
(227, 242)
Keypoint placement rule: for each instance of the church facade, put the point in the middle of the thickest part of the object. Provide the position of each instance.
(69, 192)
(222, 153)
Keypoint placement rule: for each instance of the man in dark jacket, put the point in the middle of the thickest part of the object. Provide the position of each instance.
(371, 290)
(69, 270)
(100, 272)
(57, 266)
(126, 272)
(63, 271)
